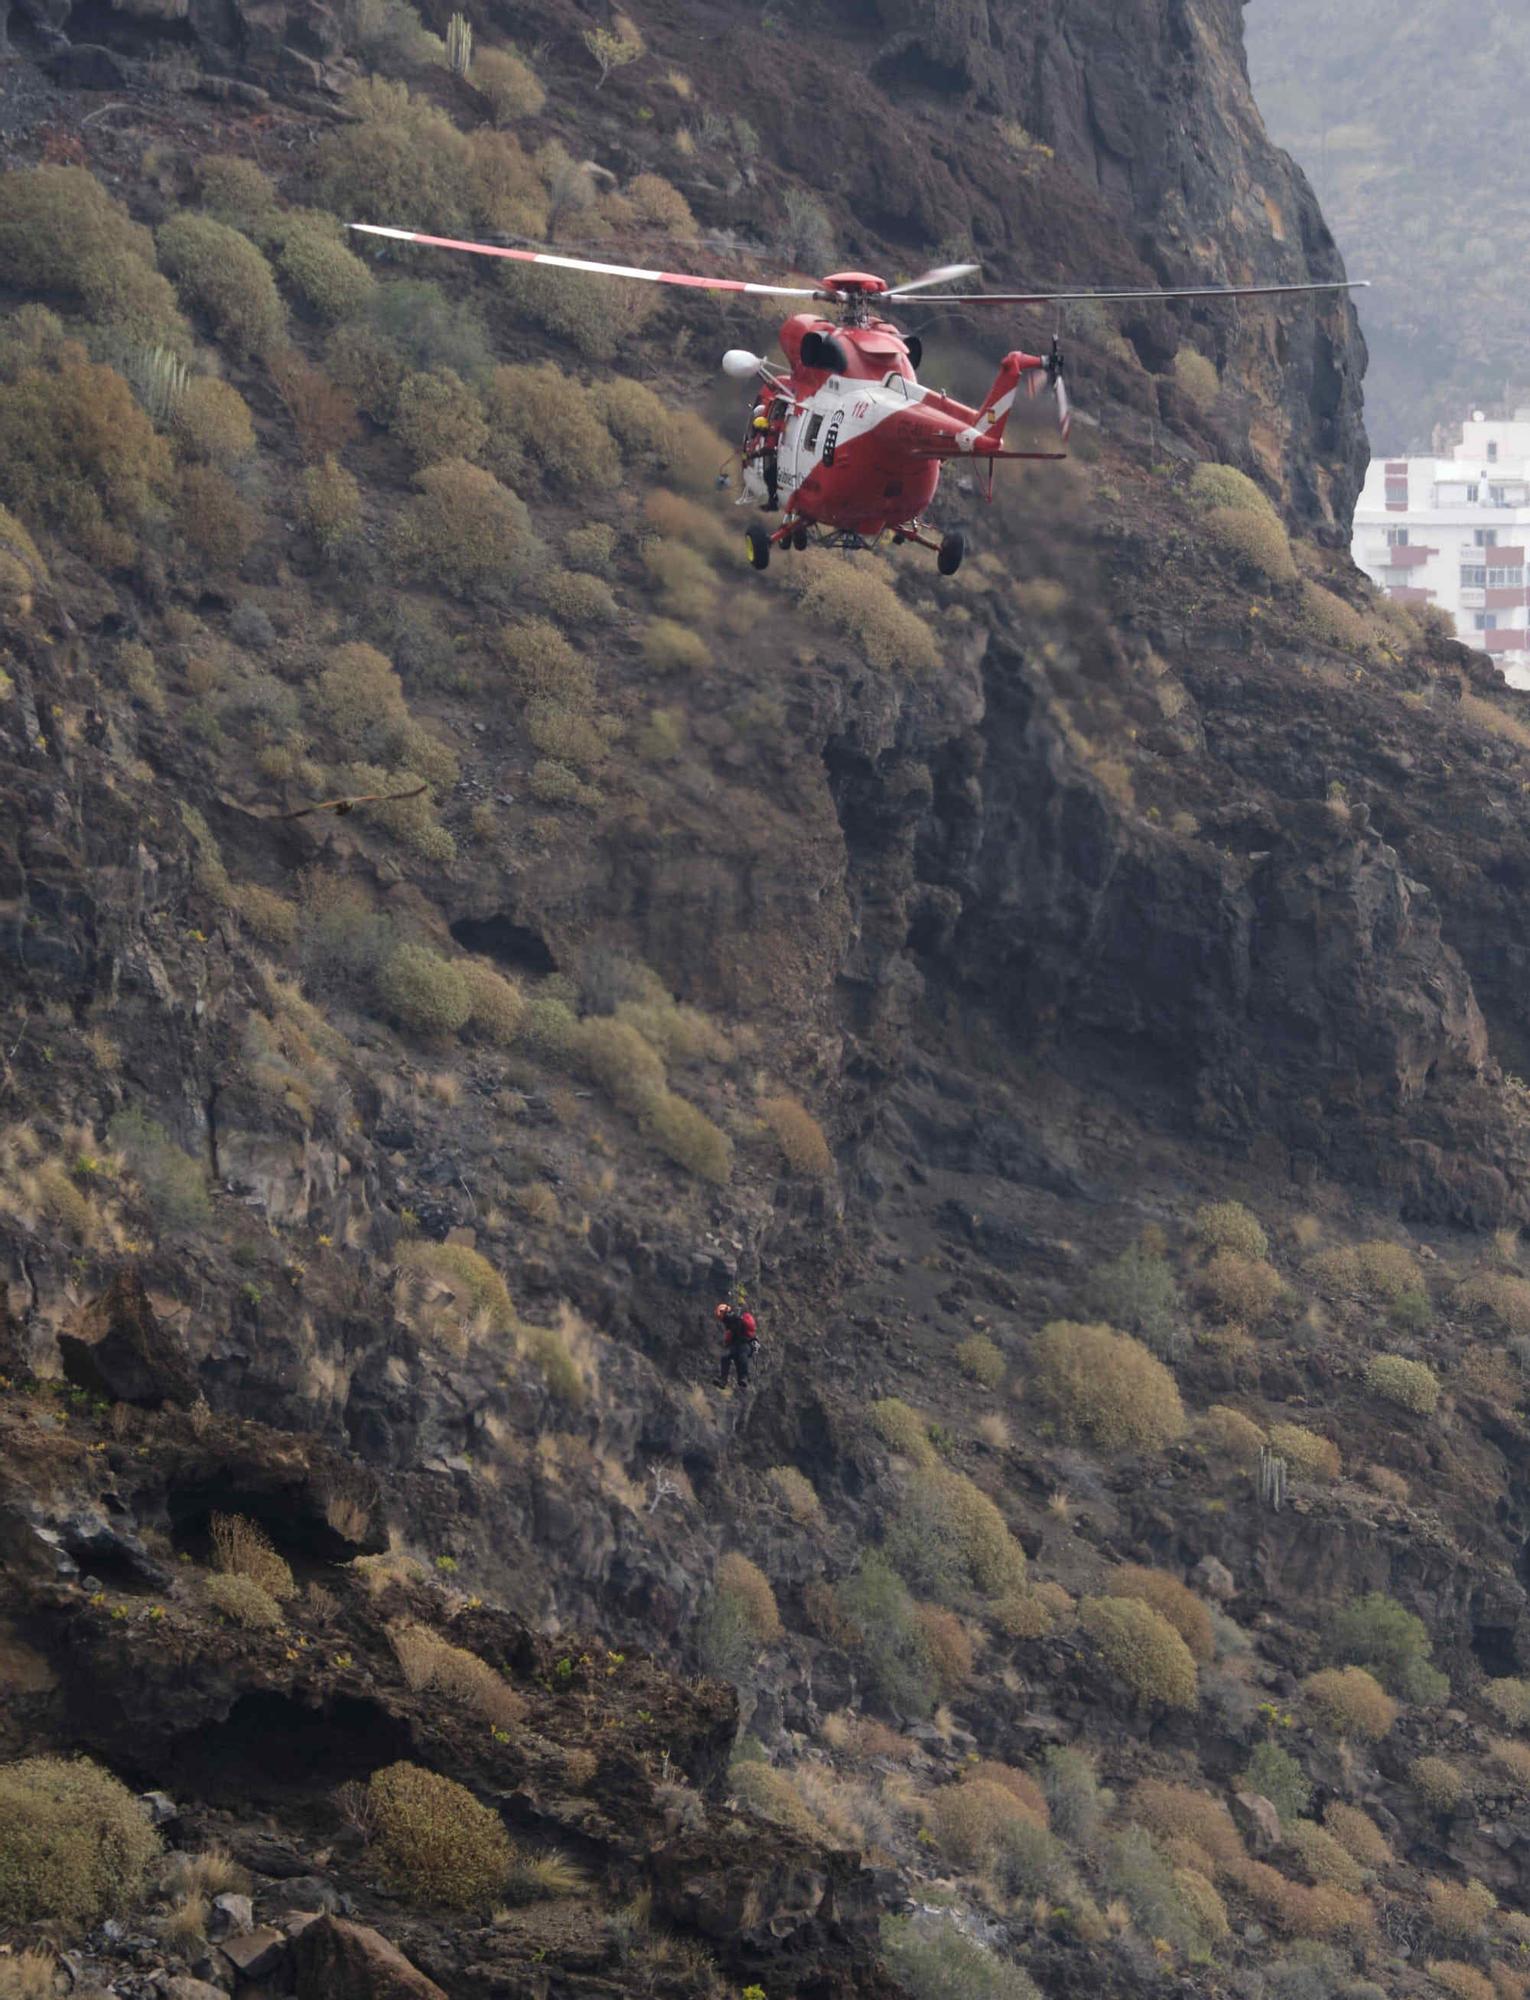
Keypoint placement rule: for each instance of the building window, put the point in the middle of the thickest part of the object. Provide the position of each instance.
(1485, 538)
(1506, 579)
(1472, 493)
(1492, 451)
(1397, 538)
(1485, 621)
(1496, 496)
(1473, 577)
(1397, 492)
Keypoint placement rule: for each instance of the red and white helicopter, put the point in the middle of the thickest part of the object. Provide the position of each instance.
(847, 443)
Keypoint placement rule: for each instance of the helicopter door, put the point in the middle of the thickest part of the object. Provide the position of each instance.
(794, 458)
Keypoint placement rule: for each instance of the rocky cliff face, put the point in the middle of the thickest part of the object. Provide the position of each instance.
(899, 958)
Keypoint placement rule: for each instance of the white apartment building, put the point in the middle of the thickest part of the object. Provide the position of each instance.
(1453, 532)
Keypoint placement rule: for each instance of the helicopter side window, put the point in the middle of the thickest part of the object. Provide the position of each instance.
(810, 439)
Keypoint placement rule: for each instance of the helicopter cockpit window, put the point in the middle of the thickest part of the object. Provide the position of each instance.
(896, 381)
(815, 425)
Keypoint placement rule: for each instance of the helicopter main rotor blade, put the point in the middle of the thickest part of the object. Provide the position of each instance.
(943, 274)
(585, 264)
(1107, 298)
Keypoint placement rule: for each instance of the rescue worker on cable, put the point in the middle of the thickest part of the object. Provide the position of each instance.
(765, 428)
(740, 1337)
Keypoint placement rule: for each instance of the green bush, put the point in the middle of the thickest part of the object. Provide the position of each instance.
(1258, 541)
(1438, 1783)
(1377, 1632)
(331, 505)
(223, 275)
(544, 424)
(949, 1539)
(244, 1601)
(688, 1137)
(876, 1604)
(902, 1429)
(980, 1358)
(174, 1184)
(1215, 486)
(316, 262)
(1142, 1649)
(424, 991)
(62, 236)
(214, 521)
(725, 1644)
(426, 329)
(1511, 1699)
(496, 1005)
(1076, 1799)
(1137, 1293)
(211, 422)
(1162, 1904)
(401, 157)
(1198, 379)
(1106, 1386)
(1321, 1857)
(361, 698)
(434, 1843)
(591, 547)
(596, 317)
(436, 415)
(75, 1845)
(940, 1962)
(236, 191)
(547, 1348)
(466, 531)
(1411, 1384)
(509, 82)
(78, 454)
(1228, 1225)
(1274, 1774)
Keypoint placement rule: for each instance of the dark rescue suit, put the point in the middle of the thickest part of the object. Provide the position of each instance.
(739, 1339)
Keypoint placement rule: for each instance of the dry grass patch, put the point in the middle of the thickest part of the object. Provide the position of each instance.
(796, 1495)
(427, 1661)
(241, 1547)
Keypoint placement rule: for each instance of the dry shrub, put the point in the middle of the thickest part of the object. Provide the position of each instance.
(1322, 1858)
(241, 1547)
(410, 817)
(1506, 1297)
(1185, 1813)
(545, 424)
(1108, 1387)
(1461, 1981)
(1513, 1757)
(1378, 1269)
(1019, 1784)
(662, 205)
(949, 1645)
(1334, 622)
(1258, 541)
(993, 1428)
(239, 193)
(1492, 720)
(545, 665)
(75, 1846)
(224, 276)
(1351, 1701)
(29, 1975)
(980, 1359)
(317, 263)
(1308, 1454)
(400, 156)
(1303, 1911)
(948, 1539)
(1172, 1600)
(1460, 1909)
(749, 1586)
(1510, 1698)
(434, 1843)
(796, 1494)
(211, 422)
(437, 415)
(62, 236)
(773, 1795)
(79, 455)
(1234, 1287)
(424, 991)
(509, 82)
(688, 1137)
(473, 1292)
(1389, 1484)
(1142, 1649)
(1228, 1225)
(331, 506)
(1197, 378)
(1438, 1783)
(668, 647)
(1230, 1433)
(854, 599)
(215, 523)
(1412, 1385)
(578, 599)
(970, 1819)
(242, 1599)
(685, 580)
(799, 1135)
(687, 521)
(1358, 1834)
(323, 412)
(427, 1661)
(465, 530)
(496, 1005)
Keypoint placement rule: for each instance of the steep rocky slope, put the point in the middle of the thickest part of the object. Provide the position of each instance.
(1119, 935)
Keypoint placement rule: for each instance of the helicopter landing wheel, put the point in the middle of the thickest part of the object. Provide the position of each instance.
(757, 542)
(899, 538)
(952, 548)
(799, 535)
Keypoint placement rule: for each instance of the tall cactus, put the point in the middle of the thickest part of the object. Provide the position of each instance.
(459, 45)
(160, 378)
(1273, 1474)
